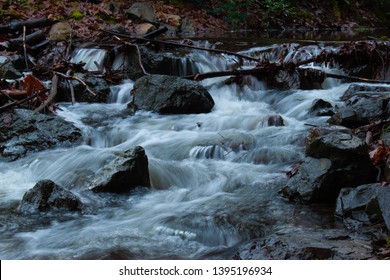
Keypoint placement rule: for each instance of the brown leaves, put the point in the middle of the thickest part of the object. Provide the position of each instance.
(380, 153)
(34, 86)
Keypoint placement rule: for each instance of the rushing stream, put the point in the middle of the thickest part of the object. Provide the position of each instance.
(215, 177)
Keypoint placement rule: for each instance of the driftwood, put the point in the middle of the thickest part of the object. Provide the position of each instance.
(52, 95)
(29, 24)
(31, 39)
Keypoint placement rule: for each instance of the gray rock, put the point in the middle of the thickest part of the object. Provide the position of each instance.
(26, 131)
(333, 161)
(142, 11)
(365, 204)
(7, 69)
(360, 110)
(171, 95)
(312, 182)
(128, 171)
(339, 147)
(364, 90)
(98, 85)
(363, 105)
(47, 195)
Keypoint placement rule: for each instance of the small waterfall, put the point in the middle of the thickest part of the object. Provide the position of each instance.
(121, 93)
(93, 58)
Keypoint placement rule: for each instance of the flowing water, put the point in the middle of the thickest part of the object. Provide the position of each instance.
(214, 176)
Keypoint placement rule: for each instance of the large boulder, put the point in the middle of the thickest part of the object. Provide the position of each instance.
(171, 95)
(47, 195)
(366, 204)
(128, 171)
(333, 161)
(25, 131)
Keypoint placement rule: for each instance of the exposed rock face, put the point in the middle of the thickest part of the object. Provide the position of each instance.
(171, 95)
(363, 105)
(128, 171)
(47, 195)
(333, 161)
(366, 204)
(25, 131)
(142, 11)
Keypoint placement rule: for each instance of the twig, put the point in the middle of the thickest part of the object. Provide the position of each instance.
(13, 104)
(25, 47)
(52, 95)
(77, 79)
(5, 94)
(71, 87)
(138, 52)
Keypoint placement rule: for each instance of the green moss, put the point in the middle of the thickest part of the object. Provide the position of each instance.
(77, 15)
(336, 10)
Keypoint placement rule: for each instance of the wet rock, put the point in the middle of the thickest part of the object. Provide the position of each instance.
(312, 181)
(360, 110)
(128, 171)
(274, 120)
(366, 91)
(60, 31)
(307, 244)
(333, 161)
(171, 95)
(286, 80)
(98, 85)
(7, 69)
(366, 204)
(47, 195)
(142, 11)
(24, 131)
(320, 107)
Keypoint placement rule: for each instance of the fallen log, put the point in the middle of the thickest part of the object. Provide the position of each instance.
(29, 24)
(175, 44)
(31, 39)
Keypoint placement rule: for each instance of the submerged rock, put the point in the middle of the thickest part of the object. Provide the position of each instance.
(128, 171)
(25, 131)
(171, 95)
(47, 195)
(366, 204)
(333, 161)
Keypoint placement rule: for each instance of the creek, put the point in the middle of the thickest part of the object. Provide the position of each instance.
(215, 177)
